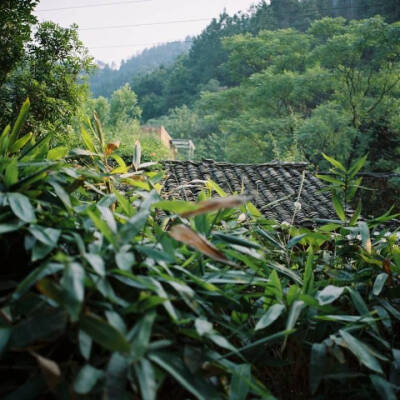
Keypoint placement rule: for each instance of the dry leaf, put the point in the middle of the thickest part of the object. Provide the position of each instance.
(368, 246)
(184, 234)
(112, 146)
(386, 267)
(50, 370)
(215, 204)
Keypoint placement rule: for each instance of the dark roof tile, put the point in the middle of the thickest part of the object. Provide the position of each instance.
(274, 186)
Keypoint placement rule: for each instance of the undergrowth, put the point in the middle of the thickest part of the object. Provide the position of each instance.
(109, 291)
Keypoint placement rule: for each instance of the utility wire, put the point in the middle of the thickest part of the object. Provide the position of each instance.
(95, 5)
(142, 44)
(209, 19)
(146, 24)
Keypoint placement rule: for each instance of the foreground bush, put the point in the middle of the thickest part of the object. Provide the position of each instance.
(104, 296)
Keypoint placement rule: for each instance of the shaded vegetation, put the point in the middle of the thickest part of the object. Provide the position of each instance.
(109, 298)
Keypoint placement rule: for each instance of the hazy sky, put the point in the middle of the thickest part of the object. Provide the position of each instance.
(116, 44)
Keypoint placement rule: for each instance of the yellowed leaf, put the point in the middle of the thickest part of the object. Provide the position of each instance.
(215, 204)
(112, 146)
(50, 370)
(184, 234)
(368, 246)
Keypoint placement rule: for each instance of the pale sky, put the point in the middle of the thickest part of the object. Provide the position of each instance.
(116, 44)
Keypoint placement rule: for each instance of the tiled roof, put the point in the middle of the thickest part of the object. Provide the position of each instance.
(274, 186)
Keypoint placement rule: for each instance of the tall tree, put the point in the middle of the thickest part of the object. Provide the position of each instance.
(16, 20)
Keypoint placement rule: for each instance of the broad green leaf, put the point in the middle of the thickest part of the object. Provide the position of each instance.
(104, 334)
(35, 276)
(379, 283)
(96, 262)
(334, 162)
(337, 205)
(22, 116)
(124, 260)
(295, 240)
(174, 366)
(175, 206)
(85, 344)
(308, 279)
(57, 153)
(317, 365)
(11, 176)
(273, 313)
(203, 327)
(356, 167)
(356, 215)
(21, 207)
(285, 271)
(143, 333)
(47, 236)
(330, 179)
(240, 383)
(20, 143)
(385, 389)
(74, 289)
(87, 140)
(108, 217)
(361, 352)
(103, 227)
(124, 203)
(62, 194)
(5, 334)
(294, 314)
(116, 377)
(147, 379)
(6, 228)
(236, 240)
(48, 325)
(329, 294)
(86, 379)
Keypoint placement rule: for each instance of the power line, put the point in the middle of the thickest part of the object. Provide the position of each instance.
(146, 24)
(140, 44)
(298, 14)
(95, 5)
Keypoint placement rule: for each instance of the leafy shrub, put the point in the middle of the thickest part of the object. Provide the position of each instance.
(104, 296)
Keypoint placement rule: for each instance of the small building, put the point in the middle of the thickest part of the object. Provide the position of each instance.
(280, 191)
(180, 148)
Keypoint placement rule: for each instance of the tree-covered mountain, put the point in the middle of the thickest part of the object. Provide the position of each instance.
(106, 79)
(166, 88)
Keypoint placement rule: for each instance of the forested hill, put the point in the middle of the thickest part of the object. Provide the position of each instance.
(106, 80)
(204, 67)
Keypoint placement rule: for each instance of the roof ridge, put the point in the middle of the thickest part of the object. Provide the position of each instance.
(224, 163)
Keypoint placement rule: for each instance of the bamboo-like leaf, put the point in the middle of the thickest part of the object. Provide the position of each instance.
(50, 370)
(137, 155)
(334, 162)
(273, 313)
(184, 234)
(21, 207)
(87, 140)
(22, 116)
(104, 334)
(339, 208)
(215, 204)
(11, 176)
(361, 352)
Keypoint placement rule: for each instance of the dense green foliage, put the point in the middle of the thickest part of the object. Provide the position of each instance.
(109, 298)
(333, 89)
(183, 82)
(48, 68)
